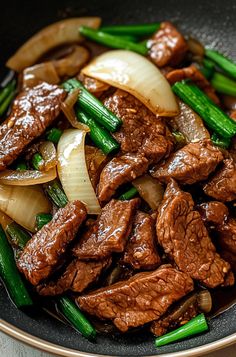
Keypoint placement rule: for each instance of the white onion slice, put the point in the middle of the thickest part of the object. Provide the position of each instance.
(150, 189)
(72, 169)
(138, 76)
(23, 203)
(27, 177)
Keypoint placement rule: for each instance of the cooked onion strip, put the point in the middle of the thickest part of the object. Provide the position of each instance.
(68, 109)
(57, 34)
(72, 169)
(23, 203)
(49, 155)
(138, 76)
(150, 190)
(40, 72)
(27, 177)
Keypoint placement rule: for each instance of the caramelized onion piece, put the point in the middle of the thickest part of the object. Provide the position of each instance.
(71, 64)
(40, 72)
(150, 189)
(49, 154)
(56, 34)
(26, 177)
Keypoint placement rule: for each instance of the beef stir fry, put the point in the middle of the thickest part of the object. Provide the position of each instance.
(118, 177)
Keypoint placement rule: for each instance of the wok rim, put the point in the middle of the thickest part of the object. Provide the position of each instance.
(55, 349)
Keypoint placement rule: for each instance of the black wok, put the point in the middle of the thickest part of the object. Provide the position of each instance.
(213, 22)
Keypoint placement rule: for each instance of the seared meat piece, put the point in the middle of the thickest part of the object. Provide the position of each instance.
(197, 77)
(222, 186)
(193, 163)
(32, 112)
(183, 312)
(141, 130)
(138, 300)
(182, 234)
(227, 235)
(93, 85)
(120, 170)
(141, 252)
(110, 231)
(167, 47)
(77, 277)
(213, 212)
(44, 252)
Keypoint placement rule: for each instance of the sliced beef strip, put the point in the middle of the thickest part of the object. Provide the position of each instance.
(32, 112)
(222, 186)
(192, 163)
(167, 47)
(141, 130)
(43, 253)
(215, 213)
(77, 277)
(138, 300)
(197, 77)
(184, 238)
(118, 171)
(181, 313)
(141, 252)
(110, 231)
(226, 234)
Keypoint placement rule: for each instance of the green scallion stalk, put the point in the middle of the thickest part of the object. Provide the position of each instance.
(100, 136)
(54, 135)
(129, 194)
(37, 161)
(213, 116)
(207, 68)
(76, 318)
(136, 30)
(223, 84)
(226, 64)
(18, 236)
(56, 193)
(11, 275)
(195, 326)
(217, 140)
(7, 90)
(111, 40)
(21, 165)
(92, 106)
(4, 106)
(129, 38)
(42, 219)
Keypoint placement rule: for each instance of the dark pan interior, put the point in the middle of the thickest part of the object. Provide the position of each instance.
(213, 22)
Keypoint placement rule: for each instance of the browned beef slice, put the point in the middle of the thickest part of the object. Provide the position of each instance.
(110, 231)
(222, 186)
(93, 85)
(227, 235)
(44, 251)
(138, 300)
(141, 130)
(196, 76)
(32, 112)
(141, 252)
(118, 171)
(213, 212)
(183, 312)
(193, 163)
(77, 277)
(182, 234)
(167, 47)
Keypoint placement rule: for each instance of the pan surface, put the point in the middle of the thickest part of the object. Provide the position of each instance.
(213, 22)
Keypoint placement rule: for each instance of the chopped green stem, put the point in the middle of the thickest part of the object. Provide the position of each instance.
(128, 38)
(226, 64)
(21, 165)
(137, 30)
(93, 106)
(213, 116)
(129, 194)
(223, 84)
(76, 318)
(4, 106)
(56, 193)
(54, 135)
(224, 143)
(7, 90)
(11, 275)
(207, 68)
(42, 219)
(18, 236)
(37, 161)
(100, 136)
(111, 40)
(195, 326)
